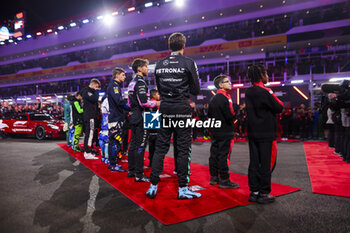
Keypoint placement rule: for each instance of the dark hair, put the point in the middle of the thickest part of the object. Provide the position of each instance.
(117, 70)
(95, 80)
(256, 72)
(176, 41)
(69, 97)
(138, 62)
(78, 93)
(218, 79)
(153, 92)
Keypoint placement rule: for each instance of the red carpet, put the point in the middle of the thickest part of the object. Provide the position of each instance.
(242, 140)
(329, 174)
(165, 207)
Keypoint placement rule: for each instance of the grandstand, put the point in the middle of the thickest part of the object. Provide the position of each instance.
(302, 43)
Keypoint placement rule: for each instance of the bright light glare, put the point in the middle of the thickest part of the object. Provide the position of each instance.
(339, 79)
(108, 20)
(99, 17)
(211, 87)
(180, 3)
(149, 4)
(60, 28)
(73, 24)
(86, 21)
(297, 81)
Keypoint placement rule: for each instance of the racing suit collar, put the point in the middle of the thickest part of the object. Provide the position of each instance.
(260, 84)
(116, 82)
(225, 93)
(139, 76)
(175, 54)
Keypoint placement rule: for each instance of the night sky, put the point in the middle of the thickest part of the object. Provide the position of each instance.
(41, 12)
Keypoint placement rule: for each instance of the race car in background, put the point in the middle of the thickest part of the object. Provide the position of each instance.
(39, 125)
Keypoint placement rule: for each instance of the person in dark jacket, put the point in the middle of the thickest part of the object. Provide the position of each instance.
(152, 132)
(138, 101)
(116, 118)
(262, 107)
(176, 78)
(90, 107)
(221, 108)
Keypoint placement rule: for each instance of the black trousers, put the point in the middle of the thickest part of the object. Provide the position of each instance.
(220, 151)
(115, 137)
(125, 136)
(89, 133)
(338, 138)
(183, 140)
(330, 135)
(346, 144)
(151, 146)
(137, 149)
(175, 150)
(259, 171)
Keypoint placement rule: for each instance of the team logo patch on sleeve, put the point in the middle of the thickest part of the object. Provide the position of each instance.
(116, 90)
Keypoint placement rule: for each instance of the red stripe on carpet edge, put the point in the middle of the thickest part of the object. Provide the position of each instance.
(329, 174)
(170, 210)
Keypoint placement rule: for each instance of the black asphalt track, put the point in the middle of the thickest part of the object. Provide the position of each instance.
(43, 189)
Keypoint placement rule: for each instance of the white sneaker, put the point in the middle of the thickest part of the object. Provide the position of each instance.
(89, 156)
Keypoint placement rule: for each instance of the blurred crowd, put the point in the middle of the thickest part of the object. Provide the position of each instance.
(237, 71)
(232, 31)
(8, 111)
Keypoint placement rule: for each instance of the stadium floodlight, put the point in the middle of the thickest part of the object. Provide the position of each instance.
(211, 87)
(131, 9)
(339, 79)
(10, 40)
(29, 36)
(273, 83)
(238, 85)
(297, 81)
(108, 20)
(148, 4)
(19, 38)
(179, 3)
(60, 28)
(73, 24)
(99, 17)
(85, 21)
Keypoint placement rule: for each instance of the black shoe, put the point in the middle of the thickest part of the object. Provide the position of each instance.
(253, 197)
(94, 152)
(227, 184)
(214, 180)
(143, 178)
(131, 174)
(265, 198)
(116, 168)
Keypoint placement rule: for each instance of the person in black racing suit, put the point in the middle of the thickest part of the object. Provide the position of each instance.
(138, 101)
(90, 107)
(176, 78)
